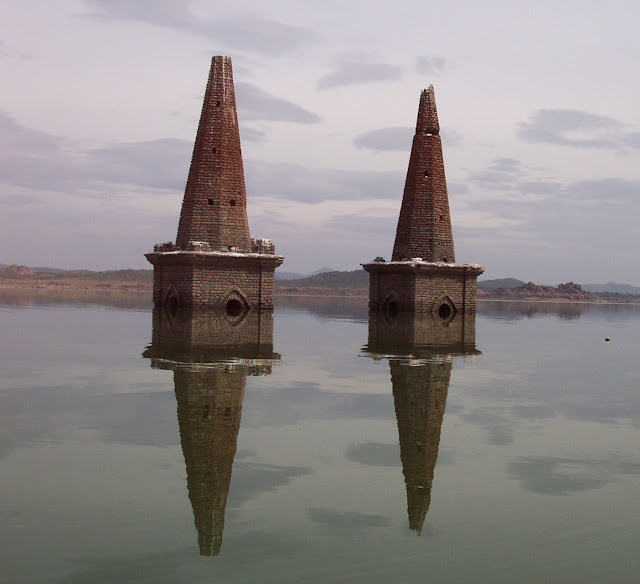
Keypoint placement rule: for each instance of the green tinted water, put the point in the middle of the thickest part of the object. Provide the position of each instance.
(311, 459)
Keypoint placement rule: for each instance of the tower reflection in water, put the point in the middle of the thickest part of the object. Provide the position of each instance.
(420, 349)
(211, 354)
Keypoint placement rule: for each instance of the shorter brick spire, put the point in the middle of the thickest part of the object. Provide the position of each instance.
(427, 113)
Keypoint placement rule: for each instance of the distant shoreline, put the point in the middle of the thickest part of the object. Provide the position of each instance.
(350, 284)
(142, 287)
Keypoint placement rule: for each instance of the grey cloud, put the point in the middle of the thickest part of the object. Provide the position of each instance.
(451, 138)
(554, 126)
(35, 159)
(603, 190)
(251, 479)
(430, 65)
(31, 158)
(498, 426)
(304, 400)
(252, 135)
(346, 519)
(159, 567)
(507, 165)
(539, 187)
(534, 412)
(374, 454)
(358, 72)
(562, 476)
(297, 183)
(256, 104)
(387, 139)
(501, 173)
(16, 137)
(397, 139)
(632, 139)
(7, 52)
(508, 174)
(364, 228)
(157, 163)
(250, 32)
(454, 188)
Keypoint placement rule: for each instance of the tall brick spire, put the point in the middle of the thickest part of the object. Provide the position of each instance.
(214, 205)
(424, 225)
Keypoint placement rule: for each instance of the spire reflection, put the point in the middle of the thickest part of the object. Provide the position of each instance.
(211, 354)
(420, 349)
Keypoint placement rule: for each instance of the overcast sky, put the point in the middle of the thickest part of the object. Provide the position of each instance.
(538, 105)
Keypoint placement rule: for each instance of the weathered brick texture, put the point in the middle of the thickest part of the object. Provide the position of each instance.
(420, 398)
(424, 225)
(211, 354)
(422, 275)
(214, 280)
(215, 262)
(214, 208)
(420, 349)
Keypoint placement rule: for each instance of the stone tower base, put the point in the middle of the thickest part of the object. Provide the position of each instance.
(235, 282)
(447, 291)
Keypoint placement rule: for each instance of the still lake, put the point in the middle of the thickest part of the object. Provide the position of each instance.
(303, 451)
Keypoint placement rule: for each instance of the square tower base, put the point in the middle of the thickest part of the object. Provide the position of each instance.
(447, 291)
(235, 282)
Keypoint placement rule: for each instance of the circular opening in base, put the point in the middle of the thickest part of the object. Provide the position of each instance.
(444, 311)
(234, 307)
(393, 306)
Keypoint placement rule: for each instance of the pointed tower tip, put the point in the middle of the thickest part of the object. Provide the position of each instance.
(427, 113)
(222, 59)
(221, 78)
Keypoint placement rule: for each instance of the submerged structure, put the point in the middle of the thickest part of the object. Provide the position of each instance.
(211, 354)
(420, 353)
(422, 275)
(214, 261)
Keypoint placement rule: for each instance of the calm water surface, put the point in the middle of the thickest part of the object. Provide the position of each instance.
(304, 450)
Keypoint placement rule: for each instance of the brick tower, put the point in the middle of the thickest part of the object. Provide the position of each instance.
(420, 353)
(211, 354)
(422, 275)
(214, 261)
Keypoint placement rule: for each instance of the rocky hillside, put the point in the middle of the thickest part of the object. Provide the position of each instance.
(530, 291)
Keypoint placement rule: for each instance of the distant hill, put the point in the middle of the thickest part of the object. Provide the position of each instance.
(336, 279)
(25, 277)
(530, 291)
(506, 283)
(613, 287)
(324, 282)
(280, 275)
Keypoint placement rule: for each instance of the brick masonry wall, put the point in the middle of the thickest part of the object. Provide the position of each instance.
(424, 225)
(203, 335)
(214, 208)
(425, 289)
(201, 279)
(421, 335)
